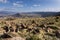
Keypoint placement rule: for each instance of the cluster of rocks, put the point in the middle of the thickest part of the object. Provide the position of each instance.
(33, 28)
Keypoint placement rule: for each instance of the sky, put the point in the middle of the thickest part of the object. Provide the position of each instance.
(30, 5)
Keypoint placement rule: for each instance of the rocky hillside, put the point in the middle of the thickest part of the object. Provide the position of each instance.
(47, 28)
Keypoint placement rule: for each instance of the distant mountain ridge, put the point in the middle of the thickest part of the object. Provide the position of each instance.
(29, 14)
(4, 13)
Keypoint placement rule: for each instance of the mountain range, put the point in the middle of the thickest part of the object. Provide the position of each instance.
(29, 14)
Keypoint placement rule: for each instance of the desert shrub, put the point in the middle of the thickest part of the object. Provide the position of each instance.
(0, 38)
(22, 35)
(28, 30)
(57, 34)
(33, 21)
(50, 23)
(11, 29)
(35, 31)
(6, 28)
(49, 34)
(34, 37)
(55, 38)
(17, 28)
(5, 36)
(57, 17)
(9, 19)
(47, 37)
(53, 27)
(56, 20)
(42, 26)
(23, 27)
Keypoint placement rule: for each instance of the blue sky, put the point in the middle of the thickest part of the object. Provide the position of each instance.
(29, 5)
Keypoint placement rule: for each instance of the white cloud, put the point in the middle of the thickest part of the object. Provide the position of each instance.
(36, 5)
(18, 4)
(51, 9)
(3, 1)
(7, 9)
(1, 9)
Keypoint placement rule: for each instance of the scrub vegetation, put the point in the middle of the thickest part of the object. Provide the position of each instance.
(39, 28)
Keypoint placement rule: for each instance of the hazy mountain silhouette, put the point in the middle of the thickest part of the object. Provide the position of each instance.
(30, 14)
(16, 15)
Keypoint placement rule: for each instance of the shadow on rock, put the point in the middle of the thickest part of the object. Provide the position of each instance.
(5, 36)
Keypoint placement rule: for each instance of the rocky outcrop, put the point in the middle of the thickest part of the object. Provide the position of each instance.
(57, 33)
